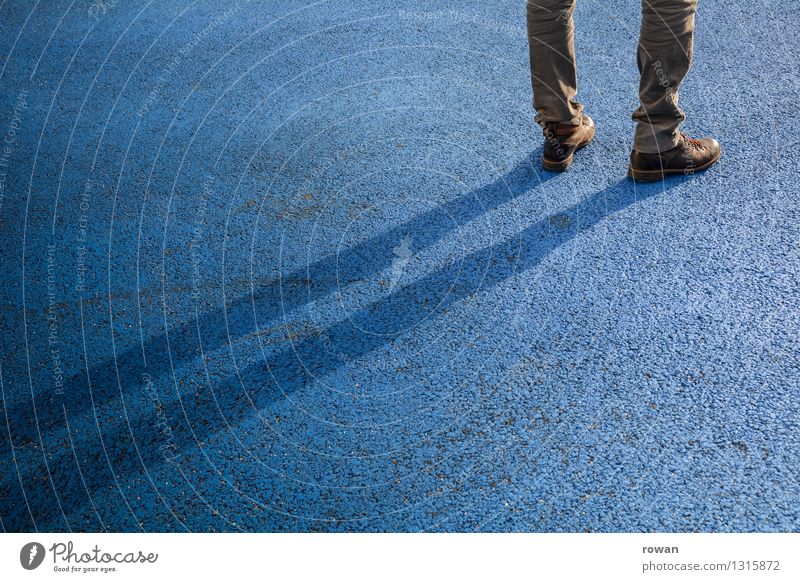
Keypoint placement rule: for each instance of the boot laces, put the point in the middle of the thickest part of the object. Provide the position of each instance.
(691, 142)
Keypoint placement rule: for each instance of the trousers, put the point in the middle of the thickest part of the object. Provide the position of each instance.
(664, 56)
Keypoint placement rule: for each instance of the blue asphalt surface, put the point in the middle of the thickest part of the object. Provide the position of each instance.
(293, 266)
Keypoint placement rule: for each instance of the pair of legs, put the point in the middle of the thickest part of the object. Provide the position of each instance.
(664, 57)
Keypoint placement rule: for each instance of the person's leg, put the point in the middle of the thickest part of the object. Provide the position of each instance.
(552, 54)
(554, 80)
(664, 57)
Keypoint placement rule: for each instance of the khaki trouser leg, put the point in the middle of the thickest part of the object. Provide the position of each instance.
(664, 57)
(552, 52)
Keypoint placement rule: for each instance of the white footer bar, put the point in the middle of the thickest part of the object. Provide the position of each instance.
(377, 557)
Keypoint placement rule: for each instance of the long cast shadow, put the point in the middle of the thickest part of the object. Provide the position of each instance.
(267, 304)
(259, 385)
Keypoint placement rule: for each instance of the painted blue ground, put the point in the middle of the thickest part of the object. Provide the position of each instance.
(294, 266)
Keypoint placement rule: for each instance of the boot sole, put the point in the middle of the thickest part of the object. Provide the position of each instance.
(552, 166)
(656, 175)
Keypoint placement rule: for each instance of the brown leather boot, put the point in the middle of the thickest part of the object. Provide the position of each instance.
(562, 141)
(688, 157)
